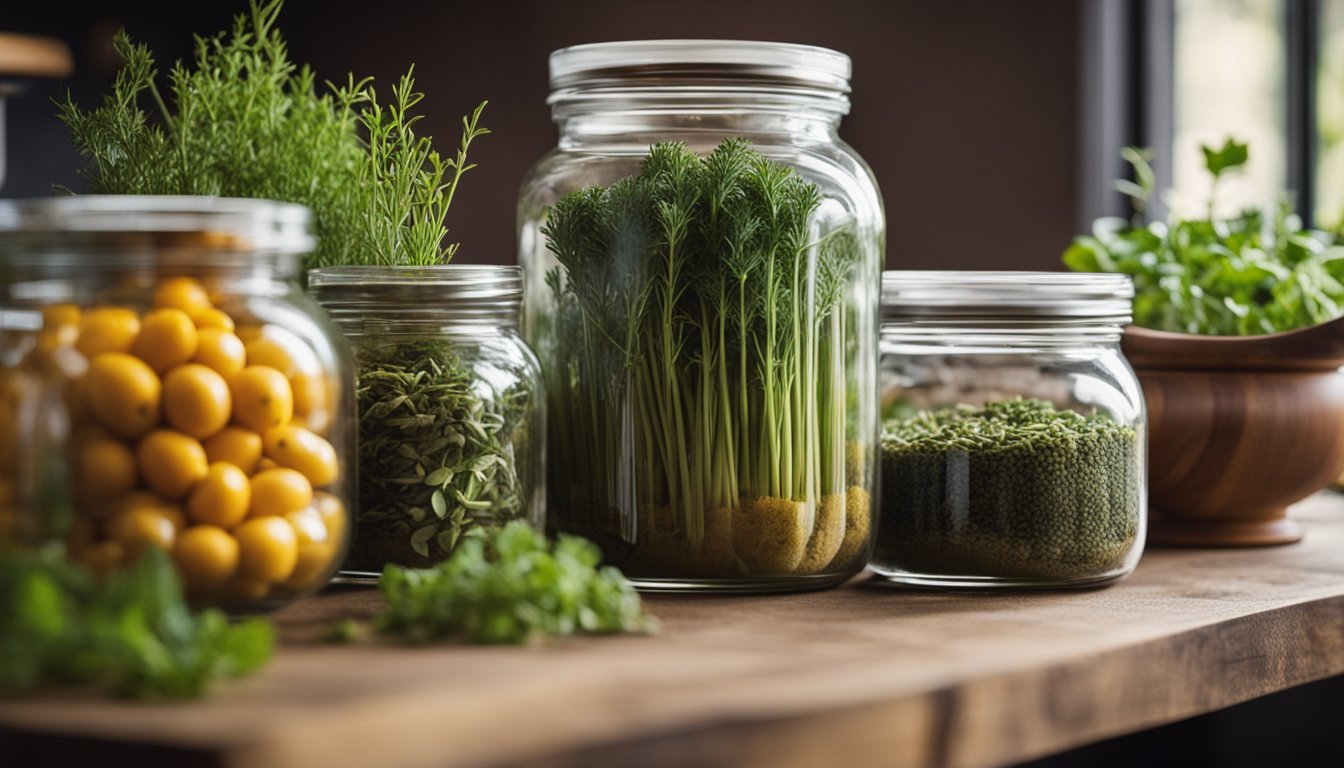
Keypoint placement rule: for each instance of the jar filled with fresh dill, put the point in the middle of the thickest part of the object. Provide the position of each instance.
(1013, 434)
(450, 407)
(702, 257)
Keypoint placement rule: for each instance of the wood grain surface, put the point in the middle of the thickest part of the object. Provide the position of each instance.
(863, 675)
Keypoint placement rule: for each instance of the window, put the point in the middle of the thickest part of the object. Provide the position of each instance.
(1172, 74)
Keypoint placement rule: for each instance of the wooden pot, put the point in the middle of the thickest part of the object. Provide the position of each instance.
(1239, 428)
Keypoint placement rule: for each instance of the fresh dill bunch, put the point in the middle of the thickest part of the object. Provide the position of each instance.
(244, 121)
(702, 318)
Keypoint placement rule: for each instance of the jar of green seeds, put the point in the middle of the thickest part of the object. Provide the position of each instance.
(1013, 442)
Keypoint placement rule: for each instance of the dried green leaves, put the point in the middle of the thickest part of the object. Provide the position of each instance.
(436, 456)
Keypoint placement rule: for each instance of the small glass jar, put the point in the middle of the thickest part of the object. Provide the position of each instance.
(167, 384)
(1013, 435)
(451, 407)
(714, 406)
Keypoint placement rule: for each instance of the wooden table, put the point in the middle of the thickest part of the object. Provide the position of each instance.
(859, 676)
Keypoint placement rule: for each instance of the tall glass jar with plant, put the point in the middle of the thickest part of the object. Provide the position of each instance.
(702, 255)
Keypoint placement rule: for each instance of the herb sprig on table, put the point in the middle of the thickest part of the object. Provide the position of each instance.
(131, 633)
(510, 585)
(1253, 273)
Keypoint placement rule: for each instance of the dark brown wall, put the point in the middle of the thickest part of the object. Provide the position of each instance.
(966, 109)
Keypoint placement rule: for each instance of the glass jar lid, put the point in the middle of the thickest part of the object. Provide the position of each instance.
(450, 292)
(31, 228)
(952, 296)
(653, 61)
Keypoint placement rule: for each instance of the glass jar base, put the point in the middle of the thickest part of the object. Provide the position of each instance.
(741, 585)
(955, 581)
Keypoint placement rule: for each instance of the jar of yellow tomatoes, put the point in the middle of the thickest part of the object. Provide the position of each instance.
(165, 383)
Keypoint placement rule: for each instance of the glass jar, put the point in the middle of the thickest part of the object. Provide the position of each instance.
(709, 329)
(167, 384)
(1014, 431)
(451, 407)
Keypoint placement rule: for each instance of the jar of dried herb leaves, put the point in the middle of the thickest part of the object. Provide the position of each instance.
(1013, 433)
(451, 411)
(702, 255)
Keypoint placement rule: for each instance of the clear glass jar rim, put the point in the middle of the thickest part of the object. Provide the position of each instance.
(768, 62)
(112, 221)
(1102, 297)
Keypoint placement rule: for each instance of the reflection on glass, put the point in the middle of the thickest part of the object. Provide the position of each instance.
(1230, 79)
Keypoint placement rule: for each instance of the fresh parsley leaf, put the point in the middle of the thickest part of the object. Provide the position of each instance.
(132, 634)
(510, 585)
(1233, 154)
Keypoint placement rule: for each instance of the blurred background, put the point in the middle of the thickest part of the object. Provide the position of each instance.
(993, 128)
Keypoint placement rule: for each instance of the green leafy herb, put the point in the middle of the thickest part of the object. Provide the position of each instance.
(131, 633)
(509, 585)
(701, 331)
(244, 121)
(436, 457)
(1256, 272)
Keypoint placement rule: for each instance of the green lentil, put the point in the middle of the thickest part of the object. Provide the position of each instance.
(1014, 489)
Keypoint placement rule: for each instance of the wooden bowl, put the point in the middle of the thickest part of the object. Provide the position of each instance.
(1239, 428)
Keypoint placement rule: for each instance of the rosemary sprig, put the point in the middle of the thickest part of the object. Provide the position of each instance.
(244, 121)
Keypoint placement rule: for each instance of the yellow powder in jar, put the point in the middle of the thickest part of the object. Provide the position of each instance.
(769, 535)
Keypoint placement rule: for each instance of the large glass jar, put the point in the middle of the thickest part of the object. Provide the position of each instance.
(451, 408)
(1013, 435)
(167, 384)
(706, 312)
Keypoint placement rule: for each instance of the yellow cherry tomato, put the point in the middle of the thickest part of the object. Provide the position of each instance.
(182, 293)
(311, 567)
(60, 327)
(219, 349)
(269, 549)
(102, 557)
(167, 339)
(134, 500)
(107, 329)
(210, 317)
(311, 401)
(308, 525)
(241, 590)
(123, 394)
(222, 498)
(295, 447)
(262, 398)
(60, 316)
(332, 512)
(282, 350)
(207, 557)
(104, 469)
(279, 492)
(136, 529)
(266, 464)
(171, 463)
(196, 400)
(238, 446)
